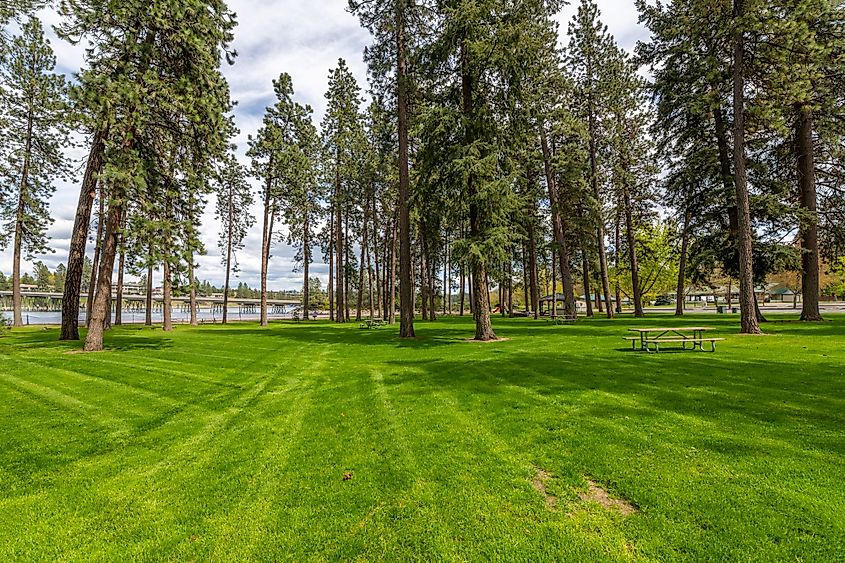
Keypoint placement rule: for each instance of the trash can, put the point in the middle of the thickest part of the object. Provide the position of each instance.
(734, 310)
(720, 309)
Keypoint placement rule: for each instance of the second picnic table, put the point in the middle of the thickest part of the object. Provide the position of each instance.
(372, 323)
(656, 336)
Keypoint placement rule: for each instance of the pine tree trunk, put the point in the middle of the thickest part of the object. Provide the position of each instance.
(525, 283)
(79, 238)
(501, 291)
(510, 287)
(680, 296)
(376, 248)
(414, 267)
(109, 309)
(347, 277)
(559, 227)
(618, 243)
(809, 231)
(340, 287)
(193, 296)
(471, 300)
(384, 267)
(547, 288)
(533, 276)
(605, 277)
(306, 291)
(166, 270)
(554, 284)
(750, 323)
(17, 299)
(728, 182)
(167, 295)
(757, 312)
(481, 296)
(447, 279)
(585, 267)
(406, 288)
(481, 300)
(306, 263)
(266, 292)
(565, 258)
(330, 288)
(383, 277)
(228, 266)
(392, 297)
(359, 305)
(148, 319)
(462, 292)
(432, 290)
(423, 269)
(632, 254)
(95, 264)
(594, 180)
(118, 305)
(94, 338)
(599, 302)
(372, 249)
(730, 293)
(266, 241)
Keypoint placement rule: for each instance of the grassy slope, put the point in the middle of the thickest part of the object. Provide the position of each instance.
(228, 443)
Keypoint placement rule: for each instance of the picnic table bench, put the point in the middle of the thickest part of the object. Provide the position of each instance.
(562, 319)
(371, 323)
(650, 338)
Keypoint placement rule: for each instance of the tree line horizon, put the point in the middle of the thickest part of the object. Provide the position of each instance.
(497, 151)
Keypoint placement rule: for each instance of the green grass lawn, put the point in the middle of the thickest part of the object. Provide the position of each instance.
(231, 443)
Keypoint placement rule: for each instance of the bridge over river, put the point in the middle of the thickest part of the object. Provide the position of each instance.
(45, 307)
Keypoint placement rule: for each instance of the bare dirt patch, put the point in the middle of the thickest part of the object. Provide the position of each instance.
(474, 341)
(539, 484)
(596, 493)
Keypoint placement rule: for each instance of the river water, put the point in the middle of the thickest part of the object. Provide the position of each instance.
(179, 317)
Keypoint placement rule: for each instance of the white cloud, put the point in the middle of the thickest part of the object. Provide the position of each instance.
(621, 17)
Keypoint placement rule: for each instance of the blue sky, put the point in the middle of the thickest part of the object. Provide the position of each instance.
(303, 38)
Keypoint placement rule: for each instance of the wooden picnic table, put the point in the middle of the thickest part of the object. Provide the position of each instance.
(372, 323)
(656, 335)
(562, 319)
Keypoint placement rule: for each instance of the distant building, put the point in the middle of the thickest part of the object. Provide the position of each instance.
(598, 297)
(770, 292)
(780, 293)
(131, 289)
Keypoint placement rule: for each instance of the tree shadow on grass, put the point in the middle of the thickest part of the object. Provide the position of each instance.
(120, 344)
(725, 391)
(36, 338)
(327, 334)
(117, 340)
(830, 327)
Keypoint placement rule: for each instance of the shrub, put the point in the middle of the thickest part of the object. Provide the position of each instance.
(662, 300)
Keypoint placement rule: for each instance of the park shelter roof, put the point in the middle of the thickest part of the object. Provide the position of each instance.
(781, 290)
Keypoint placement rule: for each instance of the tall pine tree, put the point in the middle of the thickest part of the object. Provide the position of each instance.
(34, 127)
(233, 212)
